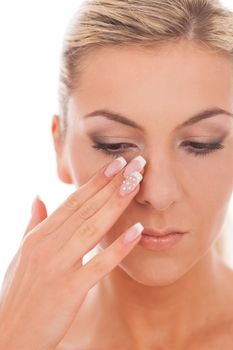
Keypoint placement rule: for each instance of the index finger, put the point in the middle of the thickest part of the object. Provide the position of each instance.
(81, 195)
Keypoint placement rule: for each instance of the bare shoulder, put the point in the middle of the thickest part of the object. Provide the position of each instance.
(219, 335)
(87, 333)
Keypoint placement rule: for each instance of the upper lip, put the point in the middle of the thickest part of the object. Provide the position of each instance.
(168, 230)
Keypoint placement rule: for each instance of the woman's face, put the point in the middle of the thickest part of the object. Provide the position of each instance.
(184, 187)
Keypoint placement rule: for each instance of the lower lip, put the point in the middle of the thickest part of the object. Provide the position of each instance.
(160, 242)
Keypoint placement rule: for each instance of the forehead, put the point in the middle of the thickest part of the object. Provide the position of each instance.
(179, 77)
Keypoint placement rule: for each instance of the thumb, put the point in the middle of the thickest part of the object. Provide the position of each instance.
(39, 213)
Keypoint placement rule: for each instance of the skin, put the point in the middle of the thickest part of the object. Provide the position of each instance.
(180, 297)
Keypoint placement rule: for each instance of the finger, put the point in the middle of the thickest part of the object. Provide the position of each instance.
(87, 210)
(77, 198)
(93, 204)
(39, 213)
(101, 264)
(93, 229)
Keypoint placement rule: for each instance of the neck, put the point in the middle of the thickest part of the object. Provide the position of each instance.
(168, 313)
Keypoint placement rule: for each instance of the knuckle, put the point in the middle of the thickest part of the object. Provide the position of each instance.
(88, 229)
(71, 202)
(87, 210)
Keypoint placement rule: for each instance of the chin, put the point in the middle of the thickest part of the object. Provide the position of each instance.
(156, 272)
(152, 277)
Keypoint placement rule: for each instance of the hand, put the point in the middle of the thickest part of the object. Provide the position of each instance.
(46, 282)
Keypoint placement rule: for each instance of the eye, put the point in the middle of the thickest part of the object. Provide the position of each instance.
(197, 148)
(113, 148)
(202, 149)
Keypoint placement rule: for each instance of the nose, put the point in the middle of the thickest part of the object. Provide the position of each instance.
(160, 186)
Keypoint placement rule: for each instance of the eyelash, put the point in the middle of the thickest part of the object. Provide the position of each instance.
(206, 147)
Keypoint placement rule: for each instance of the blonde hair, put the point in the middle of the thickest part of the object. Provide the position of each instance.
(144, 23)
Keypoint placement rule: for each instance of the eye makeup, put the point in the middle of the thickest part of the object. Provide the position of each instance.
(114, 148)
(191, 147)
(202, 149)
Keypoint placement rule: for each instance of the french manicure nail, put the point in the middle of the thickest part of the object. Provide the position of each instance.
(115, 166)
(137, 164)
(130, 183)
(133, 233)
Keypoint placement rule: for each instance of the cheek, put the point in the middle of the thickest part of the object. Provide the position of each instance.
(212, 182)
(211, 189)
(84, 162)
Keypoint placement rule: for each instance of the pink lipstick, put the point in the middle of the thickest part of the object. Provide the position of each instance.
(160, 240)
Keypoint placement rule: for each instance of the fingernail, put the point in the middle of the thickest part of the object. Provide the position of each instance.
(133, 233)
(130, 183)
(137, 164)
(115, 166)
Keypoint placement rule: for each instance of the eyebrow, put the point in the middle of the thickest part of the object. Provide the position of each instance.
(204, 114)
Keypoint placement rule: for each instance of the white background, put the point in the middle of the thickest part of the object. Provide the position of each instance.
(31, 35)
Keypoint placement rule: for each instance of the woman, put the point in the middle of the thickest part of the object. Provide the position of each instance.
(150, 80)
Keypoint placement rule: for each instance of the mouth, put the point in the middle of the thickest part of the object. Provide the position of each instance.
(162, 233)
(161, 240)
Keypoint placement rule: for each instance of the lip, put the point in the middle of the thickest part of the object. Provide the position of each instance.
(164, 232)
(160, 240)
